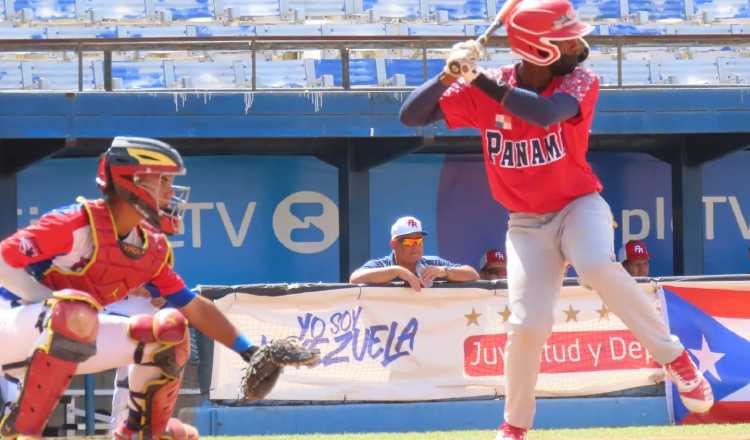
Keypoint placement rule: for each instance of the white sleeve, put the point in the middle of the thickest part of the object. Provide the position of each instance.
(22, 284)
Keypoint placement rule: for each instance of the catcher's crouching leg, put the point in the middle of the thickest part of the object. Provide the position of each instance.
(154, 379)
(69, 329)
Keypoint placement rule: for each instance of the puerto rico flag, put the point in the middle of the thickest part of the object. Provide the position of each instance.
(713, 322)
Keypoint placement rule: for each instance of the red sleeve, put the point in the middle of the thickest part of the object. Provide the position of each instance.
(166, 280)
(49, 237)
(583, 85)
(458, 107)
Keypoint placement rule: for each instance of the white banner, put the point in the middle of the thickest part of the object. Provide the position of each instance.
(392, 344)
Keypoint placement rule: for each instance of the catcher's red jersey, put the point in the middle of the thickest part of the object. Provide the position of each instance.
(77, 247)
(530, 168)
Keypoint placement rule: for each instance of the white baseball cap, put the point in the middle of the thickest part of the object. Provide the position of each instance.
(406, 225)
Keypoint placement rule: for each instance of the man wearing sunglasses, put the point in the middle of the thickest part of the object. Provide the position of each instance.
(408, 262)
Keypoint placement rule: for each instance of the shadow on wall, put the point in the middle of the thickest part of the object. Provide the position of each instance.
(469, 220)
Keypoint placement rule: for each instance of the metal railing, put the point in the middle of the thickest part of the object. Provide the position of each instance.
(343, 44)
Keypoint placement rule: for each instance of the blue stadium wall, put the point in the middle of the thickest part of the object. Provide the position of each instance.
(274, 218)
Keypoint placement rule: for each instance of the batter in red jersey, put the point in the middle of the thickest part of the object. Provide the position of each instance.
(534, 118)
(76, 260)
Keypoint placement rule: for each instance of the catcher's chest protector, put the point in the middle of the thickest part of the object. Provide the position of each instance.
(111, 274)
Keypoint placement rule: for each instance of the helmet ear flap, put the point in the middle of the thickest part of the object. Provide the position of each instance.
(104, 175)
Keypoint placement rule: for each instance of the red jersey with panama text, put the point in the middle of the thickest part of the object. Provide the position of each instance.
(530, 168)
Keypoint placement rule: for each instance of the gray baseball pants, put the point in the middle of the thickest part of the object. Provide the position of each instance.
(538, 247)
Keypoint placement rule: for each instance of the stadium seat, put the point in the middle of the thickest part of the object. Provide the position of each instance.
(734, 70)
(55, 75)
(407, 9)
(22, 33)
(185, 9)
(658, 9)
(281, 74)
(11, 75)
(719, 9)
(113, 9)
(220, 72)
(138, 75)
(250, 9)
(460, 9)
(317, 8)
(46, 9)
(596, 9)
(634, 72)
(687, 72)
(412, 69)
(362, 71)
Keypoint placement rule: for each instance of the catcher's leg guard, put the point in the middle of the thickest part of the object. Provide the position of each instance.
(164, 346)
(70, 326)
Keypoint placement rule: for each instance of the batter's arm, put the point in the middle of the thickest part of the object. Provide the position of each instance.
(528, 105)
(422, 106)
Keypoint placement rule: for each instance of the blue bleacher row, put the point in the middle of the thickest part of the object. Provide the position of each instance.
(228, 72)
(328, 29)
(425, 10)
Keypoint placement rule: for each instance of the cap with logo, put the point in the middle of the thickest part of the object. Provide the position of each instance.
(405, 226)
(491, 256)
(633, 250)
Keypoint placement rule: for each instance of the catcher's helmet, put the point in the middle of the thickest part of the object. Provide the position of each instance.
(534, 24)
(123, 169)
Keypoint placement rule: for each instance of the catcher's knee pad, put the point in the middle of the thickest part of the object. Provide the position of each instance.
(70, 325)
(164, 342)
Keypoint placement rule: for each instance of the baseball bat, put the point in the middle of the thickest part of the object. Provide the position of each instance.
(497, 23)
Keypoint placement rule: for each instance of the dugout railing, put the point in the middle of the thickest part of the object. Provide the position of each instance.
(345, 45)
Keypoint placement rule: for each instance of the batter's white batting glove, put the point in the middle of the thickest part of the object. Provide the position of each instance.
(462, 60)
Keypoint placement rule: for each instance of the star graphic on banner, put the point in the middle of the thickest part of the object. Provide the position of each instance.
(707, 359)
(571, 314)
(472, 318)
(603, 312)
(505, 314)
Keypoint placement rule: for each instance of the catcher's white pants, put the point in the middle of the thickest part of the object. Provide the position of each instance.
(114, 348)
(8, 389)
(538, 247)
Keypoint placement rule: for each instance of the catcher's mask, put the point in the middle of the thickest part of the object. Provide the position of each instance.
(141, 172)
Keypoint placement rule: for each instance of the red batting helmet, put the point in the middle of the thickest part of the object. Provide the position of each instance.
(122, 169)
(534, 24)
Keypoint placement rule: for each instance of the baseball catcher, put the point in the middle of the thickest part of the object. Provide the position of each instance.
(80, 258)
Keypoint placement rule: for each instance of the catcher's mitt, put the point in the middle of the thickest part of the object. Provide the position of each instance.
(264, 365)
